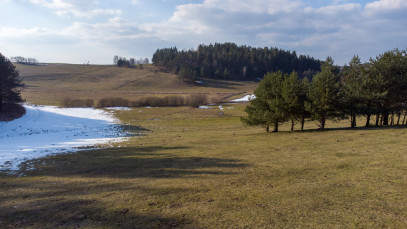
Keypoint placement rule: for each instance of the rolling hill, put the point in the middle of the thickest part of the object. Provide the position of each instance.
(50, 84)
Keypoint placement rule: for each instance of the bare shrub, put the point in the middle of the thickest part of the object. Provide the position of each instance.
(69, 102)
(195, 100)
(113, 102)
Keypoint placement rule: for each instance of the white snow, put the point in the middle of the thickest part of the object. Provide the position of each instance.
(47, 130)
(245, 98)
(205, 107)
(119, 108)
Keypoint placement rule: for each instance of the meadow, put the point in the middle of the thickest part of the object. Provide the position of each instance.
(201, 168)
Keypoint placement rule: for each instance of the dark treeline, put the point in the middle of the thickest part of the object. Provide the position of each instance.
(130, 63)
(23, 60)
(229, 61)
(375, 89)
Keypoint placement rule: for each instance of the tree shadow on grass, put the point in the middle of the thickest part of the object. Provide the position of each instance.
(70, 213)
(359, 128)
(130, 162)
(109, 188)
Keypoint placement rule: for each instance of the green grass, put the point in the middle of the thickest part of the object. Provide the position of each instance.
(198, 168)
(50, 84)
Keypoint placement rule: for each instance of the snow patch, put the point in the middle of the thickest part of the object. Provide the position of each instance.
(246, 98)
(48, 130)
(119, 108)
(205, 107)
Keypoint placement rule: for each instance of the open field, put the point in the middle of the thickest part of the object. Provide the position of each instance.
(199, 168)
(50, 84)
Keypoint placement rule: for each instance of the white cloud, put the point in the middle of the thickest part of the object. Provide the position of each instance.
(387, 5)
(76, 8)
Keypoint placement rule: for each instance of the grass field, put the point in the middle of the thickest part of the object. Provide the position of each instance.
(50, 84)
(201, 168)
(196, 168)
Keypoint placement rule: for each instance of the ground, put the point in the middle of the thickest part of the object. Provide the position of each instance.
(201, 168)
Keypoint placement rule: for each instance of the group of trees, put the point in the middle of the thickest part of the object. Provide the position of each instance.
(229, 61)
(377, 88)
(130, 63)
(9, 82)
(23, 60)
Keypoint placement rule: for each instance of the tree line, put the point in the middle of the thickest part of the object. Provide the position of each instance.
(229, 61)
(377, 89)
(24, 60)
(132, 62)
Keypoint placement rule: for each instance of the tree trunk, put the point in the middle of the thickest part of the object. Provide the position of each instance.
(353, 119)
(323, 123)
(392, 119)
(276, 127)
(367, 120)
(404, 119)
(377, 119)
(386, 118)
(302, 123)
(292, 124)
(398, 119)
(267, 128)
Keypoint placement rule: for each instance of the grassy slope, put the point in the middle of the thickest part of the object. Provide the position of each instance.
(199, 169)
(51, 84)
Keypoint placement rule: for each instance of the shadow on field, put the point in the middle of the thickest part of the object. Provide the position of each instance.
(63, 213)
(129, 162)
(220, 85)
(355, 128)
(107, 188)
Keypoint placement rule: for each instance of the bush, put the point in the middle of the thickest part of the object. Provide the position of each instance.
(68, 102)
(195, 100)
(113, 102)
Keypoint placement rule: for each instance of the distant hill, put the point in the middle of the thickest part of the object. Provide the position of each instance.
(51, 83)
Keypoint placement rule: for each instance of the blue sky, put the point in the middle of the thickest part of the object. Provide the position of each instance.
(77, 31)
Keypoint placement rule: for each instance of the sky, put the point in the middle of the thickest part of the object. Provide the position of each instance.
(78, 31)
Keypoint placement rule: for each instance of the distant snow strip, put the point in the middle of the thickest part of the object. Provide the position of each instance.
(245, 98)
(46, 130)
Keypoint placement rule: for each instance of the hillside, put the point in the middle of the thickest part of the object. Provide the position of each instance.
(50, 84)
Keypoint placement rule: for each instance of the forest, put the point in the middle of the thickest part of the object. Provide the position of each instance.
(229, 61)
(376, 89)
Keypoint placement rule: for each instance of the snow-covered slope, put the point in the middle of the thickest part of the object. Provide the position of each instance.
(46, 130)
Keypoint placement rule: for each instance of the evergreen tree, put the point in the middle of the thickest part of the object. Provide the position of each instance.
(9, 82)
(291, 96)
(267, 109)
(353, 88)
(324, 94)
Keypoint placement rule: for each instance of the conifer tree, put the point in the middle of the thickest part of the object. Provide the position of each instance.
(9, 82)
(353, 89)
(267, 109)
(324, 95)
(291, 96)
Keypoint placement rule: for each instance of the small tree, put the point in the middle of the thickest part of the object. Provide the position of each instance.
(324, 94)
(291, 96)
(9, 82)
(267, 109)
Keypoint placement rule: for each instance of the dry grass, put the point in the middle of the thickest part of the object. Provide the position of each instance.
(51, 84)
(199, 168)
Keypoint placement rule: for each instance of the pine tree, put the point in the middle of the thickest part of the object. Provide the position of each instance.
(353, 88)
(267, 109)
(9, 82)
(324, 94)
(291, 96)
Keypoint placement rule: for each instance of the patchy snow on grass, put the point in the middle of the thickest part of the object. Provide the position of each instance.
(205, 107)
(246, 98)
(47, 130)
(119, 108)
